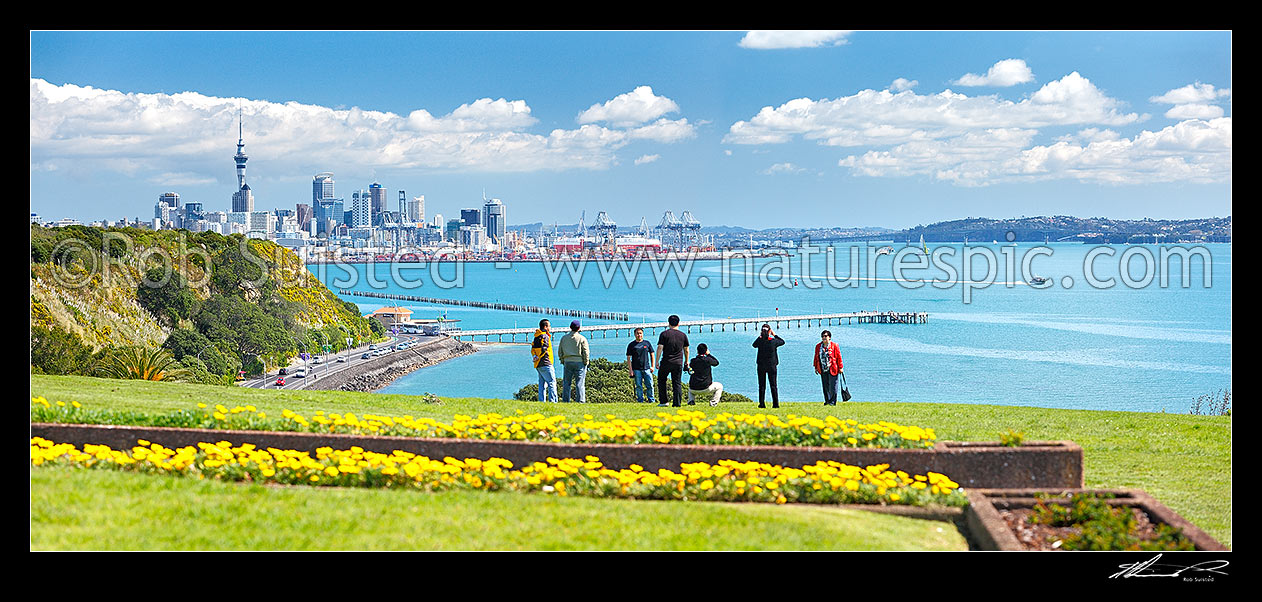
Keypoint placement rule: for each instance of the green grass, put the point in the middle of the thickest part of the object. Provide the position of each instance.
(1182, 460)
(83, 509)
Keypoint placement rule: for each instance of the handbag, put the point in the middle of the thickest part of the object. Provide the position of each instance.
(845, 390)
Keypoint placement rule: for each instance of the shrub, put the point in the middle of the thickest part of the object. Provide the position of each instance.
(608, 382)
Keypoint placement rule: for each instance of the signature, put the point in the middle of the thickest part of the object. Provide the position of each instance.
(1149, 568)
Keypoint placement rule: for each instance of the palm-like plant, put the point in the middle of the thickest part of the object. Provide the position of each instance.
(143, 364)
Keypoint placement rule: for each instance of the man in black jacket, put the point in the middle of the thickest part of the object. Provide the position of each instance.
(702, 380)
(768, 360)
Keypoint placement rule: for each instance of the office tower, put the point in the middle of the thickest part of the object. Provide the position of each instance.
(328, 211)
(378, 195)
(322, 187)
(193, 212)
(243, 198)
(172, 199)
(163, 212)
(453, 230)
(361, 210)
(261, 222)
(416, 210)
(438, 221)
(304, 217)
(493, 216)
(471, 217)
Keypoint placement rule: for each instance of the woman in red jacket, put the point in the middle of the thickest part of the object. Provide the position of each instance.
(828, 366)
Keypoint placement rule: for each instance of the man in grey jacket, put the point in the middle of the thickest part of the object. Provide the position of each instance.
(574, 355)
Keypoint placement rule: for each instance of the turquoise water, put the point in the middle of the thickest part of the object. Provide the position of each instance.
(1136, 347)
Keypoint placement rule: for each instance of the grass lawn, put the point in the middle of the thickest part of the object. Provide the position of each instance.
(77, 509)
(1182, 460)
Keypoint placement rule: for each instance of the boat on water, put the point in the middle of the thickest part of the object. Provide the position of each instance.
(1038, 281)
(886, 250)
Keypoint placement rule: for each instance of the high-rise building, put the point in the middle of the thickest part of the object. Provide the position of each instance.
(260, 222)
(193, 212)
(416, 209)
(329, 213)
(172, 199)
(361, 210)
(453, 230)
(304, 217)
(322, 187)
(162, 213)
(471, 217)
(493, 219)
(377, 193)
(243, 198)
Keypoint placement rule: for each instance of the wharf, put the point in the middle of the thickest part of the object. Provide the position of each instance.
(534, 309)
(605, 330)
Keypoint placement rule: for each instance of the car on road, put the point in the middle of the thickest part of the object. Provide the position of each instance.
(365, 356)
(284, 371)
(341, 359)
(280, 382)
(317, 360)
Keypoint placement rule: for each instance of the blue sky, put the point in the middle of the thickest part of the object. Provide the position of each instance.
(757, 129)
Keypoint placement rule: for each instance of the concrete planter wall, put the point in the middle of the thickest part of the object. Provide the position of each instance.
(988, 531)
(1051, 464)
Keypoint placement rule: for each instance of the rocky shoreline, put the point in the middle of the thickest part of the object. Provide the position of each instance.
(381, 371)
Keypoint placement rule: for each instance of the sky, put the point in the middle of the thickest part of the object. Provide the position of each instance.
(757, 129)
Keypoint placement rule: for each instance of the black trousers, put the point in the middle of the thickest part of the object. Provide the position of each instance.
(676, 375)
(830, 387)
(764, 375)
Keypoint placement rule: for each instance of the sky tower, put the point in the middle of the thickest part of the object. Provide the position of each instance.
(243, 198)
(240, 157)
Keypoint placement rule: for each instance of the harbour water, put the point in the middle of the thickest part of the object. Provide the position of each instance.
(1134, 345)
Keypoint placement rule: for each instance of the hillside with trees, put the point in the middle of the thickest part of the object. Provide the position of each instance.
(133, 303)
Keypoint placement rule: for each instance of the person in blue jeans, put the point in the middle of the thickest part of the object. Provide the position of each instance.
(640, 366)
(575, 354)
(541, 355)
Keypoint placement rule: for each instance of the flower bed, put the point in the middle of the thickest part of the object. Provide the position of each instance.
(661, 443)
(727, 480)
(682, 427)
(1078, 519)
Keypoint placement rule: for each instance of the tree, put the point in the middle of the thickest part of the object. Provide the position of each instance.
(58, 351)
(139, 363)
(183, 342)
(166, 295)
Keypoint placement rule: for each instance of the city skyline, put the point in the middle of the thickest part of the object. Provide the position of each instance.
(756, 129)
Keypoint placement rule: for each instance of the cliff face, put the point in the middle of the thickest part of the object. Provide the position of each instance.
(89, 281)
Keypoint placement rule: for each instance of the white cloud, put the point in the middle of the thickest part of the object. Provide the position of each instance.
(1194, 111)
(1192, 93)
(631, 109)
(872, 117)
(1008, 72)
(178, 138)
(778, 168)
(776, 39)
(1191, 151)
(902, 84)
(647, 159)
(1192, 101)
(663, 130)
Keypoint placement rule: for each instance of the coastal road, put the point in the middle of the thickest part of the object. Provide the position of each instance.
(329, 365)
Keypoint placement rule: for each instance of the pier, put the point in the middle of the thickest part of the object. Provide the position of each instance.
(714, 325)
(532, 309)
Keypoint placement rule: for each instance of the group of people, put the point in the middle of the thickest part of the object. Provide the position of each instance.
(670, 360)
